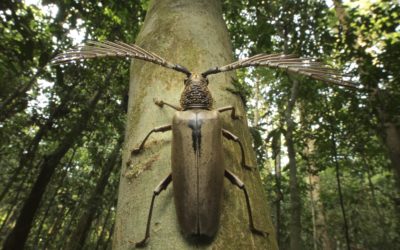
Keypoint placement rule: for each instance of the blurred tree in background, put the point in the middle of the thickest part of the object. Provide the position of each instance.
(329, 157)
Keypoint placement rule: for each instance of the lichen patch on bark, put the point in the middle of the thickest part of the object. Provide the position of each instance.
(134, 171)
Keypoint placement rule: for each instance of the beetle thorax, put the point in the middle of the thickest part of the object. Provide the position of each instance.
(196, 93)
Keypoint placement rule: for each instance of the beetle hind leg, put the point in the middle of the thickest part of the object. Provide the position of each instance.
(162, 186)
(230, 136)
(236, 181)
(157, 129)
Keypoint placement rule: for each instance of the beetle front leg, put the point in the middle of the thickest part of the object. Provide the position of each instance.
(161, 104)
(236, 181)
(233, 113)
(162, 186)
(230, 136)
(158, 129)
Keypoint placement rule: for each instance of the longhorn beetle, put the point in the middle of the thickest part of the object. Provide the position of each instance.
(197, 159)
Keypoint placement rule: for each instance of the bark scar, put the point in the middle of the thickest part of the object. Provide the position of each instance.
(140, 167)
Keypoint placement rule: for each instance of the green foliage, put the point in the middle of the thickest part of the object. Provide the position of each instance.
(40, 104)
(366, 51)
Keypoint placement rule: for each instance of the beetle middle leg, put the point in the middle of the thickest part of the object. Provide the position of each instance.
(162, 186)
(233, 111)
(236, 181)
(230, 136)
(158, 129)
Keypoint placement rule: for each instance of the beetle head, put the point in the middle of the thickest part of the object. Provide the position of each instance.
(196, 93)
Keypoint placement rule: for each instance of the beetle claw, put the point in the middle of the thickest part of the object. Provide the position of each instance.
(259, 232)
(135, 151)
(142, 243)
(128, 163)
(248, 167)
(236, 117)
(159, 103)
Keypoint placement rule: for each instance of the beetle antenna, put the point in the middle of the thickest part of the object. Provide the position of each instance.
(302, 66)
(115, 49)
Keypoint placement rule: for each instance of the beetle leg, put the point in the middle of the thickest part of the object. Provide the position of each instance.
(158, 129)
(233, 113)
(230, 136)
(161, 103)
(236, 181)
(162, 186)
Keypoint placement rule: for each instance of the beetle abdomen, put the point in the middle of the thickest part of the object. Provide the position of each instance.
(197, 170)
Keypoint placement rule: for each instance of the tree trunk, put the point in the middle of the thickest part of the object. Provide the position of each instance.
(322, 239)
(28, 155)
(68, 225)
(191, 33)
(339, 185)
(380, 222)
(295, 200)
(100, 239)
(279, 194)
(276, 153)
(55, 228)
(17, 238)
(8, 106)
(78, 237)
(108, 244)
(51, 201)
(392, 141)
(321, 231)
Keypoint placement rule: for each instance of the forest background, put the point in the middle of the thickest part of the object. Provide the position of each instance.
(66, 125)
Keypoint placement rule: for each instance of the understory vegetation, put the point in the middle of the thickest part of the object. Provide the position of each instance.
(329, 157)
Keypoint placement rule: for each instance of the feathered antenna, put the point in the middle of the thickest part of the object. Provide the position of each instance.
(115, 49)
(303, 66)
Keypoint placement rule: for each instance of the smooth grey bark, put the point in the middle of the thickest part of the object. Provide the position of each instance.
(191, 33)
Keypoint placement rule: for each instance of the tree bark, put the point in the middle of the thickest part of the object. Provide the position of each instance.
(17, 238)
(191, 33)
(295, 200)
